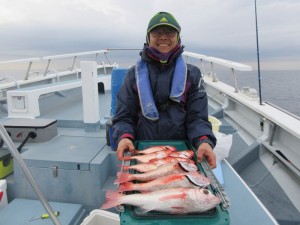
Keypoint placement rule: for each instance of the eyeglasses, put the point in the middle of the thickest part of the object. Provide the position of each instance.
(161, 31)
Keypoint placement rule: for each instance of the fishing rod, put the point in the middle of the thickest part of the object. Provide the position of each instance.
(289, 161)
(258, 61)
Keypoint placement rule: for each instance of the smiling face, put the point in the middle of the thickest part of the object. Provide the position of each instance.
(163, 38)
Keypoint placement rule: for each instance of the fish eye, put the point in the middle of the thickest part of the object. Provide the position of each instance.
(205, 191)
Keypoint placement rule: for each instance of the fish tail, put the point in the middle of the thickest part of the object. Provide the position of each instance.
(136, 152)
(126, 158)
(124, 168)
(122, 177)
(112, 199)
(127, 186)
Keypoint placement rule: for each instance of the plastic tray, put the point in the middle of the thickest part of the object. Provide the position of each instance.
(101, 217)
(132, 216)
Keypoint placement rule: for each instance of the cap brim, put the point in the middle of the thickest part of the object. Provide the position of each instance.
(163, 24)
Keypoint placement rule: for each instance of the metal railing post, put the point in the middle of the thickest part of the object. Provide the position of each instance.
(47, 67)
(72, 67)
(234, 81)
(28, 70)
(213, 72)
(105, 54)
(202, 68)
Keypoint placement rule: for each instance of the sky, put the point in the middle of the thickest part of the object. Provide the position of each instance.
(224, 29)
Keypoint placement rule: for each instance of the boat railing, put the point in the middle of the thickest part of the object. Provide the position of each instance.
(28, 60)
(49, 59)
(47, 74)
(233, 66)
(74, 56)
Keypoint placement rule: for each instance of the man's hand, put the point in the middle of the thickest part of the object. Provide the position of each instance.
(205, 150)
(124, 145)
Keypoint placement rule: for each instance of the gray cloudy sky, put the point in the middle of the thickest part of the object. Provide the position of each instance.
(225, 29)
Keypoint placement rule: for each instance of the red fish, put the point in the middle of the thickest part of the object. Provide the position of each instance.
(188, 154)
(154, 163)
(146, 158)
(155, 149)
(187, 180)
(169, 159)
(175, 200)
(163, 170)
(142, 167)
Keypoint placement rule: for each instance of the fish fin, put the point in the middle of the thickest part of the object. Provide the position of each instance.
(187, 154)
(197, 179)
(138, 152)
(125, 168)
(122, 177)
(171, 177)
(174, 196)
(186, 166)
(112, 199)
(141, 210)
(145, 191)
(177, 207)
(173, 148)
(127, 186)
(178, 210)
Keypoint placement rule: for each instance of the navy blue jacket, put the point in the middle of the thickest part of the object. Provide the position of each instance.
(187, 120)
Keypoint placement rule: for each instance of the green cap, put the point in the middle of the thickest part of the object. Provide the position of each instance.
(163, 18)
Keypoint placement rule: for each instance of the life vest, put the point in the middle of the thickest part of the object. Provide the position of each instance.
(147, 103)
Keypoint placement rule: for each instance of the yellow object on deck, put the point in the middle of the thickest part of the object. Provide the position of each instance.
(44, 216)
(215, 123)
(6, 163)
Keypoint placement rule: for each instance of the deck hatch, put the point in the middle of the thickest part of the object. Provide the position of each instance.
(63, 152)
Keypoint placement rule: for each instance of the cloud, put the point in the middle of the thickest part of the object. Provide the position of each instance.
(221, 28)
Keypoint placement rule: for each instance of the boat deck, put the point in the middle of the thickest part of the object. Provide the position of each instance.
(77, 166)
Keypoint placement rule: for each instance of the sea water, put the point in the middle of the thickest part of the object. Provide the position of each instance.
(277, 87)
